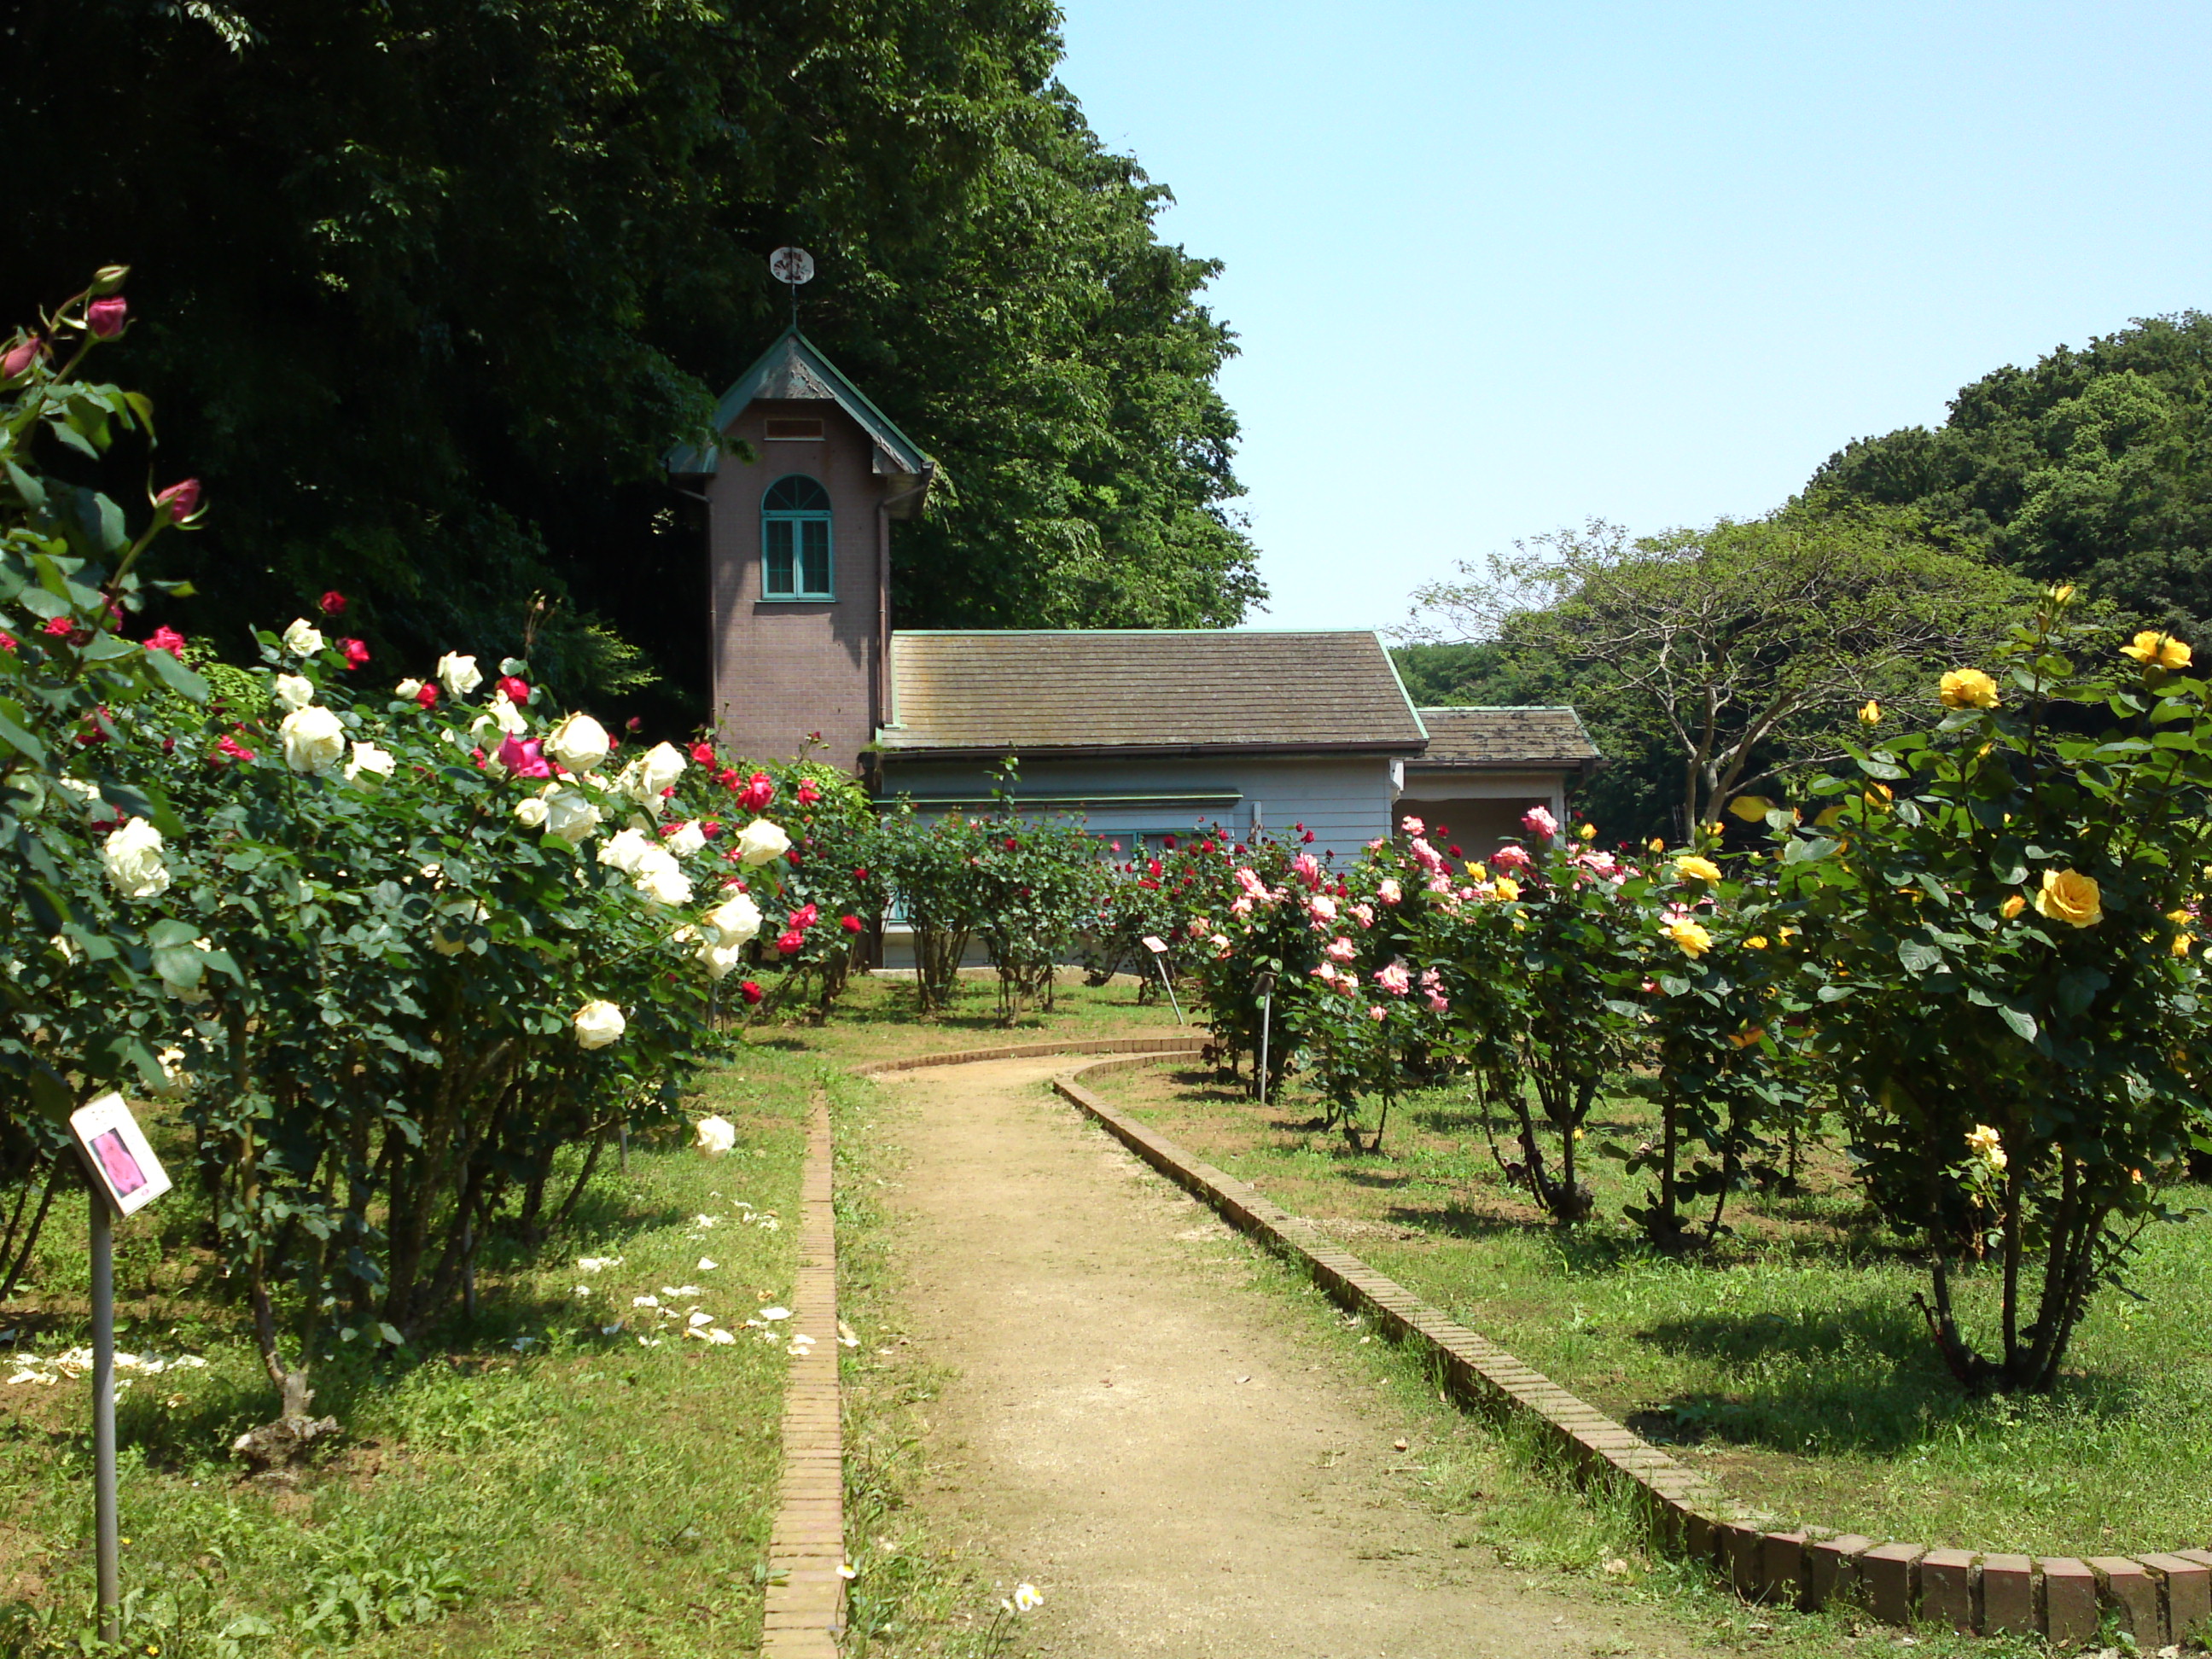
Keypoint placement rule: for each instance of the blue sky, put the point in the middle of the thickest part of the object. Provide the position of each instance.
(1497, 269)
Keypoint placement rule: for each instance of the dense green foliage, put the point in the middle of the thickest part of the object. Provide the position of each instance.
(2093, 465)
(438, 283)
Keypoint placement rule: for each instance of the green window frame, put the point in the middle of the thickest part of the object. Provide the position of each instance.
(796, 553)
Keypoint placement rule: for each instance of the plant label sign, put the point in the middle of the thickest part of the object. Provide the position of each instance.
(1156, 944)
(116, 1151)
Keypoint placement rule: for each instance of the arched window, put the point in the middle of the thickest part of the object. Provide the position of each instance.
(795, 540)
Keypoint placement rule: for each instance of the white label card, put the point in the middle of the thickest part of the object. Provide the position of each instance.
(116, 1151)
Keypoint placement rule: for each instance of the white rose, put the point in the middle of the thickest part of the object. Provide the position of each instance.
(598, 1025)
(720, 957)
(294, 690)
(508, 717)
(714, 1136)
(458, 675)
(570, 815)
(302, 639)
(625, 851)
(760, 842)
(369, 758)
(133, 857)
(663, 764)
(735, 921)
(314, 739)
(688, 839)
(660, 878)
(579, 743)
(174, 1077)
(531, 814)
(407, 691)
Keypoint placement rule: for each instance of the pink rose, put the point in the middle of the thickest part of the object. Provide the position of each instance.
(1509, 858)
(1307, 868)
(20, 357)
(1322, 907)
(1389, 892)
(181, 499)
(105, 316)
(1240, 905)
(1364, 913)
(1341, 949)
(165, 638)
(1377, 1014)
(524, 760)
(1411, 825)
(1395, 979)
(1539, 823)
(356, 654)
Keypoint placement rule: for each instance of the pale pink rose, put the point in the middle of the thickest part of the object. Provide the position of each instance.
(1412, 826)
(1240, 905)
(1249, 879)
(1364, 913)
(1438, 1003)
(1322, 907)
(1509, 858)
(1395, 979)
(1425, 856)
(1377, 1014)
(1539, 823)
(1307, 868)
(1389, 892)
(1341, 949)
(1196, 927)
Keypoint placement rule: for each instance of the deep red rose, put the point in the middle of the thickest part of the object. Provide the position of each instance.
(793, 855)
(759, 791)
(105, 316)
(1168, 841)
(703, 753)
(426, 695)
(1456, 853)
(165, 638)
(750, 992)
(1013, 846)
(806, 916)
(333, 604)
(356, 654)
(1307, 838)
(517, 693)
(861, 873)
(790, 942)
(850, 923)
(635, 723)
(808, 794)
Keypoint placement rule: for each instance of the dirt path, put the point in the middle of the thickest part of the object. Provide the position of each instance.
(1153, 1440)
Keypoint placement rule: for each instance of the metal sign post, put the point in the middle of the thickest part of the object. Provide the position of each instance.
(1265, 984)
(1158, 947)
(124, 1177)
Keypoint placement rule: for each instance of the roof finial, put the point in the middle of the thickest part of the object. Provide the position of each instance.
(791, 266)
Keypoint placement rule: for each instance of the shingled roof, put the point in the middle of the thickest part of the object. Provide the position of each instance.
(1110, 689)
(793, 368)
(1505, 737)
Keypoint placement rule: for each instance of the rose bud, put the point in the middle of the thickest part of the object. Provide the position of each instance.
(105, 316)
(20, 356)
(108, 278)
(182, 500)
(333, 603)
(517, 693)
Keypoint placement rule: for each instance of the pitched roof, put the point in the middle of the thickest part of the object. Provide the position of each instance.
(794, 369)
(1108, 689)
(1505, 737)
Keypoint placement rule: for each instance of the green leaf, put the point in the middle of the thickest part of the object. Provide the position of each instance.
(22, 741)
(1918, 956)
(178, 677)
(2022, 1023)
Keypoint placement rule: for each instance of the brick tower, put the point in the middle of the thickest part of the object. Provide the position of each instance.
(799, 546)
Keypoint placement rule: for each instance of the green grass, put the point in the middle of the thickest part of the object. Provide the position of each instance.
(1789, 1362)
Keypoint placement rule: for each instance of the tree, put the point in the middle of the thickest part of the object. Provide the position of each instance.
(1731, 654)
(439, 284)
(2091, 466)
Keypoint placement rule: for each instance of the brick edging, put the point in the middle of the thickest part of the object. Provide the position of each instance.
(1165, 1044)
(2161, 1598)
(805, 1604)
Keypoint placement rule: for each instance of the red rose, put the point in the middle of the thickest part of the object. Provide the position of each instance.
(7, 641)
(1168, 841)
(1456, 853)
(808, 794)
(850, 923)
(710, 827)
(805, 917)
(861, 874)
(1307, 838)
(517, 692)
(1152, 866)
(1013, 846)
(759, 791)
(333, 603)
(790, 942)
(182, 500)
(56, 627)
(231, 747)
(750, 992)
(356, 654)
(165, 638)
(105, 316)
(793, 855)
(426, 695)
(703, 753)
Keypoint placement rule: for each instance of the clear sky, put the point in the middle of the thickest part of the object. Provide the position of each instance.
(1499, 268)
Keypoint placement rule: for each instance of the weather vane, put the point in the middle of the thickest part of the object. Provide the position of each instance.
(791, 266)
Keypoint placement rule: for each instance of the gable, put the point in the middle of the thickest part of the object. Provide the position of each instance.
(793, 370)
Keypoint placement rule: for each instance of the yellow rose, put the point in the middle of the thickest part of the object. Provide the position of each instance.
(1656, 845)
(1745, 1039)
(1691, 867)
(1756, 942)
(2156, 650)
(1985, 1143)
(1587, 831)
(1507, 889)
(2012, 907)
(1693, 940)
(1967, 688)
(2068, 896)
(1477, 872)
(1752, 809)
(2063, 594)
(1870, 713)
(2180, 945)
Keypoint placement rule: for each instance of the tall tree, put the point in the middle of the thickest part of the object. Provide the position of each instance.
(1727, 656)
(429, 286)
(2093, 465)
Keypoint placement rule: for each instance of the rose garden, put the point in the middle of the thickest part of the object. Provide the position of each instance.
(1851, 1148)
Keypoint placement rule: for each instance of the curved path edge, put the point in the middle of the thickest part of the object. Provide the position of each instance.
(2160, 1598)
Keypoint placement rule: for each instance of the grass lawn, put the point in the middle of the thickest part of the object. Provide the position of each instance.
(1791, 1363)
(524, 1483)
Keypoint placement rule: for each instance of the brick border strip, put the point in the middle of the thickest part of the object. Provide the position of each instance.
(2160, 1598)
(1165, 1045)
(805, 1604)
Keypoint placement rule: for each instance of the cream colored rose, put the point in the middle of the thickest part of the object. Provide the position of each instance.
(133, 857)
(293, 691)
(760, 842)
(314, 739)
(598, 1025)
(460, 675)
(369, 758)
(531, 814)
(735, 920)
(506, 716)
(302, 638)
(625, 851)
(688, 839)
(579, 744)
(663, 764)
(660, 878)
(407, 690)
(570, 815)
(714, 1136)
(719, 956)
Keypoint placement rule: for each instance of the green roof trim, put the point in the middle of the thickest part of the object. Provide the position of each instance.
(794, 367)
